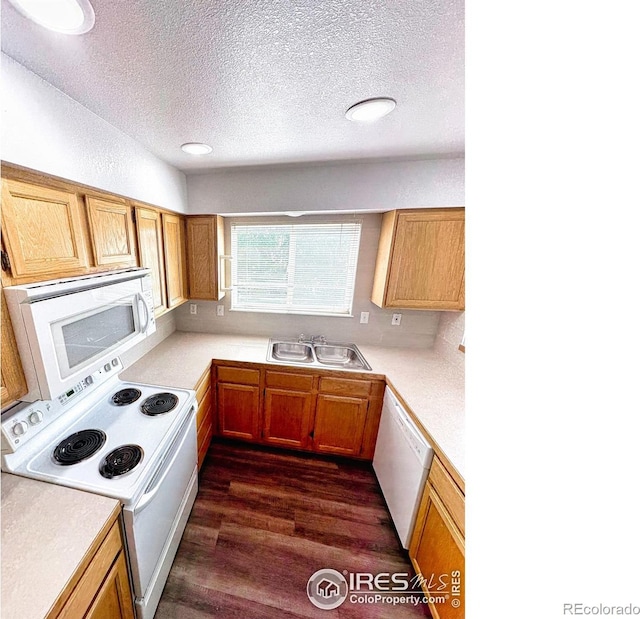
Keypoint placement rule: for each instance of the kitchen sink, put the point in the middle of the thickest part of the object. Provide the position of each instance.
(318, 354)
(343, 355)
(296, 352)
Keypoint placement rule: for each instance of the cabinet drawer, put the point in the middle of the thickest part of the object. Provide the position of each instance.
(203, 384)
(345, 386)
(448, 491)
(285, 380)
(238, 375)
(204, 410)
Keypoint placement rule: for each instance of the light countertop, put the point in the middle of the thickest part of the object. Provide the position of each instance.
(46, 532)
(432, 387)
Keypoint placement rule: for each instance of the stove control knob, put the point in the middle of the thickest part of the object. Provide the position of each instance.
(20, 428)
(35, 418)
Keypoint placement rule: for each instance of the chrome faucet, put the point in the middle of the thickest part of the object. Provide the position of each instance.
(312, 339)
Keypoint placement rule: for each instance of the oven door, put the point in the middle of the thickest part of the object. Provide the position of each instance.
(155, 523)
(73, 335)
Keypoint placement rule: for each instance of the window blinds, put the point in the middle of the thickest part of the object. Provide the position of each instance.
(294, 268)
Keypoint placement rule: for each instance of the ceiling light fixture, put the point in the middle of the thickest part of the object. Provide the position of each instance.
(370, 110)
(65, 16)
(196, 148)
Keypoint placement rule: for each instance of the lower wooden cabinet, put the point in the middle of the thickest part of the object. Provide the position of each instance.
(103, 591)
(437, 545)
(309, 410)
(339, 425)
(204, 416)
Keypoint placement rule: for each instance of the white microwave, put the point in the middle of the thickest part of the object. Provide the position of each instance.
(67, 329)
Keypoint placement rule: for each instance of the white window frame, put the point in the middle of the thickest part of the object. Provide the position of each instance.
(352, 265)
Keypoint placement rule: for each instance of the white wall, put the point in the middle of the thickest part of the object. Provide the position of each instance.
(44, 129)
(375, 186)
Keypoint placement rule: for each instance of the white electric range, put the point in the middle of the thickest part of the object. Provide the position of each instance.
(132, 442)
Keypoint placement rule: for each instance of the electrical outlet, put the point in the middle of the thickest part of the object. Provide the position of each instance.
(193, 308)
(364, 318)
(395, 319)
(220, 310)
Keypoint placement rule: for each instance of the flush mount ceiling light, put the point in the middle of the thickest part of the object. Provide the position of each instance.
(65, 16)
(371, 109)
(196, 148)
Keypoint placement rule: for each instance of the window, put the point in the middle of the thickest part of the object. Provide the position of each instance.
(294, 268)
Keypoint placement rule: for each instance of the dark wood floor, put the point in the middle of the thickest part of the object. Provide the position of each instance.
(264, 521)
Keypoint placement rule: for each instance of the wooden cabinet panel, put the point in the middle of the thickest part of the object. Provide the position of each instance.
(244, 376)
(421, 260)
(239, 411)
(339, 424)
(451, 496)
(103, 590)
(288, 380)
(175, 258)
(114, 598)
(205, 245)
(43, 231)
(112, 233)
(13, 383)
(345, 386)
(204, 415)
(149, 229)
(437, 552)
(287, 417)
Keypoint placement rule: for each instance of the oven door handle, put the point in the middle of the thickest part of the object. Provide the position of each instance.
(165, 466)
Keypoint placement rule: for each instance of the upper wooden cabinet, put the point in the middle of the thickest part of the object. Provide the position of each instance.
(112, 233)
(420, 263)
(43, 231)
(175, 258)
(205, 245)
(150, 246)
(13, 383)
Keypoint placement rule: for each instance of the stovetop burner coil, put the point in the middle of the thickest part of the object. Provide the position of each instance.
(79, 446)
(159, 403)
(125, 396)
(120, 461)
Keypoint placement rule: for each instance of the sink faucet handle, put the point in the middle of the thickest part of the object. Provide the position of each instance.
(301, 337)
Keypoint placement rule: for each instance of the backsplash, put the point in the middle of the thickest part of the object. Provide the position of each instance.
(417, 328)
(449, 337)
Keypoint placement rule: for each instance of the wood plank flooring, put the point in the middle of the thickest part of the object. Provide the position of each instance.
(264, 521)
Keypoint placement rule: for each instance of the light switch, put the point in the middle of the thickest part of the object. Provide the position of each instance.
(395, 319)
(364, 318)
(220, 310)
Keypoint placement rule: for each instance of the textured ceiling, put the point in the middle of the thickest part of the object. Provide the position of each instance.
(261, 81)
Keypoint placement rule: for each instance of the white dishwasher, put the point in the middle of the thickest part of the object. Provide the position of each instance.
(401, 462)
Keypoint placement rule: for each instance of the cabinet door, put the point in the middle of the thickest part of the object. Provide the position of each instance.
(437, 552)
(287, 417)
(114, 597)
(339, 424)
(112, 233)
(13, 383)
(42, 231)
(149, 227)
(239, 411)
(420, 261)
(205, 244)
(175, 258)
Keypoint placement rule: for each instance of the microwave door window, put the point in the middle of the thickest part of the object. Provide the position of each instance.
(91, 336)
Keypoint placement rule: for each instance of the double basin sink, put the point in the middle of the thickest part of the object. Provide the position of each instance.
(318, 354)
